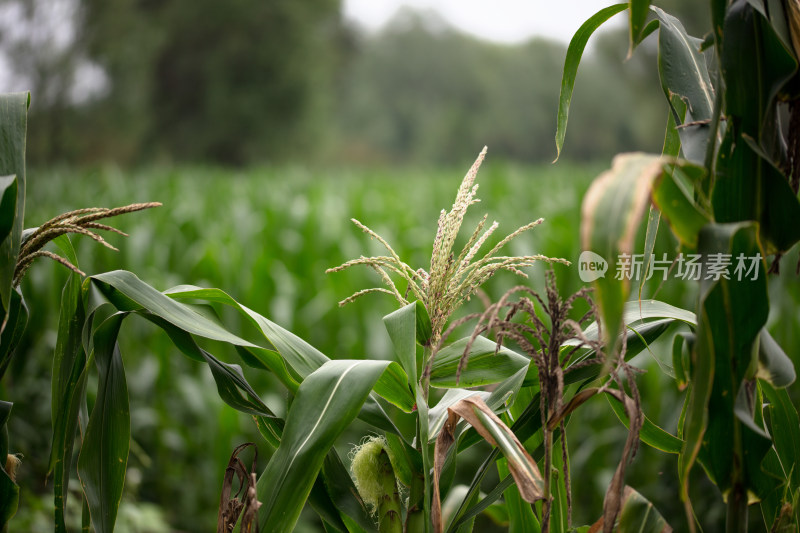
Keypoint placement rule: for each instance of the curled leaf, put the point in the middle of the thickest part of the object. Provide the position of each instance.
(522, 466)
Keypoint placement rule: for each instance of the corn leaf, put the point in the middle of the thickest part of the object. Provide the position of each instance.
(636, 20)
(15, 322)
(732, 314)
(573, 59)
(104, 455)
(68, 386)
(638, 515)
(749, 184)
(300, 357)
(774, 366)
(784, 426)
(685, 217)
(643, 312)
(128, 293)
(402, 326)
(342, 492)
(521, 518)
(232, 386)
(650, 434)
(484, 366)
(326, 402)
(611, 213)
(684, 76)
(9, 490)
(475, 411)
(13, 130)
(499, 400)
(438, 414)
(8, 205)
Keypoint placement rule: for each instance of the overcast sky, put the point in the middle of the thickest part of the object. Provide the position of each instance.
(507, 21)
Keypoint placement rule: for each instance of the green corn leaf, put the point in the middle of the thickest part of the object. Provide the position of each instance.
(451, 503)
(321, 502)
(750, 188)
(266, 359)
(232, 386)
(424, 328)
(685, 217)
(653, 219)
(558, 510)
(8, 205)
(505, 393)
(774, 366)
(104, 455)
(637, 19)
(343, 493)
(393, 387)
(474, 508)
(402, 327)
(9, 490)
(521, 518)
(128, 293)
(573, 59)
(484, 367)
(672, 138)
(755, 75)
(498, 514)
(784, 426)
(297, 354)
(749, 184)
(684, 76)
(645, 322)
(13, 130)
(68, 390)
(408, 459)
(639, 337)
(301, 357)
(437, 415)
(682, 346)
(611, 213)
(638, 313)
(326, 402)
(271, 428)
(683, 68)
(650, 434)
(499, 400)
(638, 515)
(15, 322)
(733, 313)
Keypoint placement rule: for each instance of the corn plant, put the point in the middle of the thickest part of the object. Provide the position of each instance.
(405, 476)
(540, 368)
(726, 184)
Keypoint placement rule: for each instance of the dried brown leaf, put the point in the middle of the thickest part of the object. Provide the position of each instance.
(474, 410)
(231, 506)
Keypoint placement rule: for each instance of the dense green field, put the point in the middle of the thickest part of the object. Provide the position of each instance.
(266, 236)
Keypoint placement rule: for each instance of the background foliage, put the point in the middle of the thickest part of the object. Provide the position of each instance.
(250, 81)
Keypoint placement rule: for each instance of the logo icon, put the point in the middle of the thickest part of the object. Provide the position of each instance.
(591, 266)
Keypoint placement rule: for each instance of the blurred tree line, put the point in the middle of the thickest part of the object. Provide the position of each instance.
(248, 81)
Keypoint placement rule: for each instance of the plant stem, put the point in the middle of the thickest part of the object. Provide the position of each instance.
(389, 506)
(736, 519)
(711, 147)
(427, 463)
(419, 519)
(548, 466)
